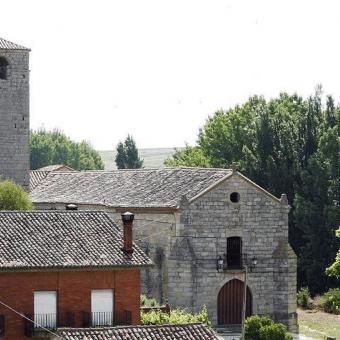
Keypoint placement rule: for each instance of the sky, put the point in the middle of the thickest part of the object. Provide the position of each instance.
(157, 69)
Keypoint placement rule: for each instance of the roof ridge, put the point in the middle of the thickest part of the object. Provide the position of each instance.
(168, 325)
(145, 169)
(8, 45)
(53, 211)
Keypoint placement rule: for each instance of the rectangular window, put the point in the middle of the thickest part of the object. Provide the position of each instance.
(102, 307)
(45, 309)
(234, 252)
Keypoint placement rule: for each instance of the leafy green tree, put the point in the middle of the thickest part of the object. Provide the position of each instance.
(127, 155)
(54, 147)
(189, 156)
(287, 145)
(13, 197)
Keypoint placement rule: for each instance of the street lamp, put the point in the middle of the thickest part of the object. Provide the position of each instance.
(219, 263)
(253, 263)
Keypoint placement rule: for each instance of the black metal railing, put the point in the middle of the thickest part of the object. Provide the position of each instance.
(106, 318)
(47, 321)
(102, 319)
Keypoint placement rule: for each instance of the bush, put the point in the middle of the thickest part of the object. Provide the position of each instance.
(263, 328)
(177, 316)
(13, 197)
(304, 299)
(319, 302)
(332, 301)
(274, 332)
(147, 302)
(254, 324)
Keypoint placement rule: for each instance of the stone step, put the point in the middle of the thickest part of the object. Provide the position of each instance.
(229, 329)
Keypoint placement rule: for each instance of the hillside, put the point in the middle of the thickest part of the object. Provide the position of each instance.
(153, 158)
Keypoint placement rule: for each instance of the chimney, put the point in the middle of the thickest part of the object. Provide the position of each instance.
(127, 219)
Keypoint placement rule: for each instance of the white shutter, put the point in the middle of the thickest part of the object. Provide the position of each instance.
(102, 307)
(45, 308)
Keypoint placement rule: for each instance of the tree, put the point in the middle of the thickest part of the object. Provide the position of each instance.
(13, 197)
(54, 147)
(287, 145)
(127, 155)
(189, 156)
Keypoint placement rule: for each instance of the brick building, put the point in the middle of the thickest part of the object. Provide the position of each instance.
(186, 220)
(14, 112)
(66, 269)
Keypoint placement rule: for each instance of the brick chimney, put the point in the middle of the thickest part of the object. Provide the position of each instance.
(127, 219)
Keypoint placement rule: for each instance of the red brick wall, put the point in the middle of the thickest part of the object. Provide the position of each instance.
(73, 294)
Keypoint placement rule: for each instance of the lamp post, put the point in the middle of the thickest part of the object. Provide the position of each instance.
(244, 307)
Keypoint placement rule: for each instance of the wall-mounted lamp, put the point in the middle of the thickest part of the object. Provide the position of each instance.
(219, 264)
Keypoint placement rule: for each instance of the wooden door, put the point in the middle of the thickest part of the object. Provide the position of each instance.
(230, 301)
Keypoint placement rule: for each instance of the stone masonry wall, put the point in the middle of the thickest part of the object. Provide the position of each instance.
(261, 222)
(14, 118)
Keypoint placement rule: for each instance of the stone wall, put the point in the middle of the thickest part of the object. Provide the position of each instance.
(14, 114)
(262, 223)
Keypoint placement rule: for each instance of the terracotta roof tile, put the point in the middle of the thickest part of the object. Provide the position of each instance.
(169, 332)
(63, 239)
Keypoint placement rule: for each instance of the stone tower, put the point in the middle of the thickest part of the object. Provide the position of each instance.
(14, 112)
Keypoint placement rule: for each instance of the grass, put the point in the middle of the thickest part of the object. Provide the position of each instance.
(153, 158)
(316, 324)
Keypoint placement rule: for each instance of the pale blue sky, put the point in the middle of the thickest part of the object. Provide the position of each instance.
(157, 69)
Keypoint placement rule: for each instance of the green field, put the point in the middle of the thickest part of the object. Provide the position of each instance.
(153, 158)
(317, 325)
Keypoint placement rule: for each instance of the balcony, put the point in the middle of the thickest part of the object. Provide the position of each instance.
(96, 319)
(45, 322)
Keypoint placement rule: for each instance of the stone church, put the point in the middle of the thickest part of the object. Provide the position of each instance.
(202, 227)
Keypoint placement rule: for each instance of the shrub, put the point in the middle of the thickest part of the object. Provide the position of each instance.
(332, 301)
(304, 299)
(274, 332)
(319, 302)
(177, 316)
(254, 324)
(147, 302)
(263, 328)
(13, 197)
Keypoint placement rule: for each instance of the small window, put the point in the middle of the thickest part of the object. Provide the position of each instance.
(3, 68)
(102, 307)
(235, 197)
(234, 252)
(45, 308)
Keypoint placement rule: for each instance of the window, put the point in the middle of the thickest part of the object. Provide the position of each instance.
(234, 252)
(102, 307)
(3, 68)
(235, 197)
(45, 309)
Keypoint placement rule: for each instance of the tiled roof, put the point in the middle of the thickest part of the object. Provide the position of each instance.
(56, 167)
(162, 187)
(36, 176)
(63, 239)
(7, 45)
(168, 332)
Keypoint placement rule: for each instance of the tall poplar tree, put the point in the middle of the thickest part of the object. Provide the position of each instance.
(127, 155)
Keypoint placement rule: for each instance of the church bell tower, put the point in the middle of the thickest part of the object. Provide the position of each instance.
(14, 113)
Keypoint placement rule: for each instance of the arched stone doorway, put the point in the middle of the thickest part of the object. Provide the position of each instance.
(230, 301)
